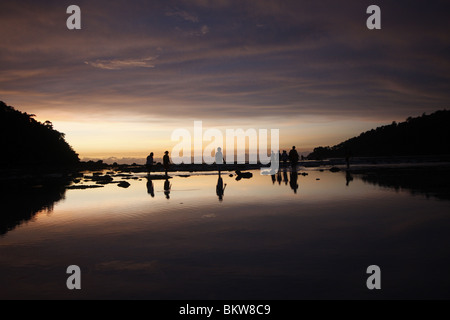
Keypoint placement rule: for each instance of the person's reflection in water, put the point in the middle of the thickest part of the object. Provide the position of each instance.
(279, 178)
(220, 188)
(285, 176)
(294, 181)
(167, 187)
(348, 178)
(150, 188)
(274, 179)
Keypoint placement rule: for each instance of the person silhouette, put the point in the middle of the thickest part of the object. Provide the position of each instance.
(293, 157)
(348, 155)
(274, 179)
(274, 161)
(149, 163)
(284, 157)
(166, 161)
(220, 188)
(219, 159)
(167, 187)
(150, 188)
(294, 181)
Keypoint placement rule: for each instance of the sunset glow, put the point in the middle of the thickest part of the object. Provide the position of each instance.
(136, 71)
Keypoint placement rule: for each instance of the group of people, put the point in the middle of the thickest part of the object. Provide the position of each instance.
(150, 162)
(284, 157)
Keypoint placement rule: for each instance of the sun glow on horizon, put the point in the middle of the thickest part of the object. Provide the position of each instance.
(133, 139)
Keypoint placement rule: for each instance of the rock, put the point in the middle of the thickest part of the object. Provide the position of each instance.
(99, 178)
(335, 169)
(83, 187)
(123, 184)
(103, 182)
(243, 175)
(231, 175)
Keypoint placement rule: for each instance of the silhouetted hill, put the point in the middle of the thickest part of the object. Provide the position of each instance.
(425, 135)
(27, 142)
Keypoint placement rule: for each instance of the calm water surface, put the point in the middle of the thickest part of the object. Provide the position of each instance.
(269, 238)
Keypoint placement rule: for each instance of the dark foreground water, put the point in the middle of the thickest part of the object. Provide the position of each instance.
(280, 237)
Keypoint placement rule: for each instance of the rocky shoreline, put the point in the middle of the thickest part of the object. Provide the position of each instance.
(98, 174)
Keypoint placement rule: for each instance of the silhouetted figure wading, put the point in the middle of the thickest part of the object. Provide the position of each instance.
(284, 157)
(348, 155)
(219, 159)
(149, 163)
(166, 161)
(293, 158)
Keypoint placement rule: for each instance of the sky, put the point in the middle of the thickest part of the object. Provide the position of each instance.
(138, 70)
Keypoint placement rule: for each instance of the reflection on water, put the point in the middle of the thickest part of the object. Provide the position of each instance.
(294, 181)
(348, 178)
(21, 204)
(220, 188)
(172, 238)
(167, 187)
(429, 181)
(150, 187)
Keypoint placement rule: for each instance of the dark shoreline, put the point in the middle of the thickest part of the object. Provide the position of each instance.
(14, 177)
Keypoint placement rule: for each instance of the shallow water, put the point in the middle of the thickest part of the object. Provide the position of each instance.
(262, 241)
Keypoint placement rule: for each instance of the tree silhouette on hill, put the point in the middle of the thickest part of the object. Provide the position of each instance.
(27, 142)
(425, 135)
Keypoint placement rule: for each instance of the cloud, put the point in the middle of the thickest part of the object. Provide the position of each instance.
(118, 64)
(182, 14)
(200, 32)
(267, 58)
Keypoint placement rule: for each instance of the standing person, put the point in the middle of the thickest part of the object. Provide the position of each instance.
(149, 163)
(293, 157)
(166, 161)
(219, 159)
(348, 155)
(284, 157)
(274, 161)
